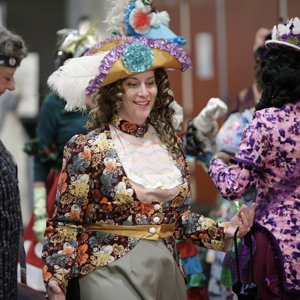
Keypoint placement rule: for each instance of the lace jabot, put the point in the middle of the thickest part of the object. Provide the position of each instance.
(146, 161)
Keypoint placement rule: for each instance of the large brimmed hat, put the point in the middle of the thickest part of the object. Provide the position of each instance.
(286, 36)
(115, 58)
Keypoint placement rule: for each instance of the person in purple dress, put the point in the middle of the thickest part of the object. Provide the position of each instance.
(268, 159)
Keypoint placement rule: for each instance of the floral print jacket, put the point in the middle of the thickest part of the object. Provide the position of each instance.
(268, 159)
(93, 188)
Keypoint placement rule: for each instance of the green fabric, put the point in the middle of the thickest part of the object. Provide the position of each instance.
(226, 279)
(196, 280)
(39, 204)
(55, 128)
(40, 212)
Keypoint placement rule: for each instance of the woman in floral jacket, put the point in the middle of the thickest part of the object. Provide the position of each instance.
(268, 159)
(124, 191)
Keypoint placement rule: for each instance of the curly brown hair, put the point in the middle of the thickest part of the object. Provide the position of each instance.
(108, 101)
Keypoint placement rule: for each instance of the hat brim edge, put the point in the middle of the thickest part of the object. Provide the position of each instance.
(274, 44)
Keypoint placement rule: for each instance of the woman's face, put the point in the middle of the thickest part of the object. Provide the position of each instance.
(7, 81)
(140, 91)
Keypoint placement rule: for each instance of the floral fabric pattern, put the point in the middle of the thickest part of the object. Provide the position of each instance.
(269, 160)
(93, 188)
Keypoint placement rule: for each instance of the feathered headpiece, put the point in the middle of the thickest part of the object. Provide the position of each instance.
(286, 36)
(137, 18)
(115, 58)
(78, 41)
(74, 42)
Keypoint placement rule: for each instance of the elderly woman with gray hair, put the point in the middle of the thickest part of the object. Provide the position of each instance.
(12, 51)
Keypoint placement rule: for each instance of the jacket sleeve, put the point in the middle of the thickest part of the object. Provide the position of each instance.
(203, 231)
(73, 194)
(235, 179)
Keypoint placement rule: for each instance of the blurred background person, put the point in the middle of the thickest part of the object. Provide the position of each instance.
(12, 51)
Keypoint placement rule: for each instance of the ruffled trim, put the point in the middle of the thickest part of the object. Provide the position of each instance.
(278, 257)
(113, 39)
(163, 181)
(169, 179)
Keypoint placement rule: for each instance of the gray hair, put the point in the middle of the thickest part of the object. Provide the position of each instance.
(12, 45)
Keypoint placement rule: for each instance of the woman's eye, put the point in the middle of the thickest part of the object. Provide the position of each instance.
(132, 84)
(151, 83)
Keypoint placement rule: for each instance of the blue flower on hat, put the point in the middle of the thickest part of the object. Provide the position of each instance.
(138, 57)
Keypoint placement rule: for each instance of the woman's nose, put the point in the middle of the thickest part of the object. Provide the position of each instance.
(143, 91)
(11, 85)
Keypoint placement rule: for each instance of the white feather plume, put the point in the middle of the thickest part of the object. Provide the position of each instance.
(115, 18)
(71, 79)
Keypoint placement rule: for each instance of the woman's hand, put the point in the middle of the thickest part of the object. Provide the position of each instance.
(243, 220)
(54, 291)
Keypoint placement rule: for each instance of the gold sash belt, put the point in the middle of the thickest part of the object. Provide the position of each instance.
(148, 232)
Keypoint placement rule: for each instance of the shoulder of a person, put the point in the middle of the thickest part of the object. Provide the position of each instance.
(76, 144)
(52, 101)
(270, 117)
(268, 113)
(88, 138)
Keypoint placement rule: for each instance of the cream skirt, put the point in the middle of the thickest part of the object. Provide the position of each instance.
(148, 272)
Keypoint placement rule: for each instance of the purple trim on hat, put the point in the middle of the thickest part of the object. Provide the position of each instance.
(109, 40)
(117, 51)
